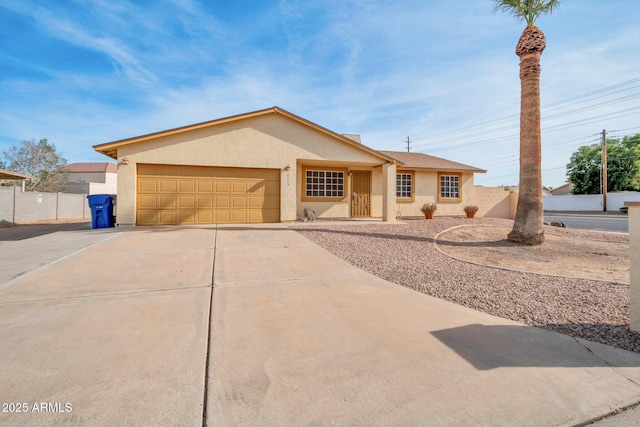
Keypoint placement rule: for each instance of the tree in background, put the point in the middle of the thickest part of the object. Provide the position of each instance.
(623, 166)
(528, 227)
(41, 161)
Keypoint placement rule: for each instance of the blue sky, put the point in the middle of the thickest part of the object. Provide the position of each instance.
(444, 73)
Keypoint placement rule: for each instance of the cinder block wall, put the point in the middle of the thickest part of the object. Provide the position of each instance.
(70, 206)
(30, 207)
(495, 202)
(6, 205)
(34, 207)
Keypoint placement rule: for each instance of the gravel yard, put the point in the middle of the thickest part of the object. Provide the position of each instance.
(406, 254)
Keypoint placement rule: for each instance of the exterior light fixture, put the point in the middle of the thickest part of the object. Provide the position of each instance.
(124, 161)
(287, 168)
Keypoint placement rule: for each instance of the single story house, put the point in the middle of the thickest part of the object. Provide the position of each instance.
(269, 166)
(92, 178)
(422, 178)
(562, 190)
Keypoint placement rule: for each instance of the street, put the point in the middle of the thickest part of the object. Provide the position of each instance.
(591, 220)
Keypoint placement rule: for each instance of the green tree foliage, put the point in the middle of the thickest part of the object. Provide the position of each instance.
(623, 166)
(527, 10)
(39, 160)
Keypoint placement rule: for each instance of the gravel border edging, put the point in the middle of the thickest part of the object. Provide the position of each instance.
(437, 236)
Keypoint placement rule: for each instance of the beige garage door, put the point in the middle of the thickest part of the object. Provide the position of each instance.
(168, 194)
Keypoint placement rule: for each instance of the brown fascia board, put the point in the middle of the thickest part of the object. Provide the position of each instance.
(110, 148)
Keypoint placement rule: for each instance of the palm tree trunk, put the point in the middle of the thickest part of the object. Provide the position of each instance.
(528, 227)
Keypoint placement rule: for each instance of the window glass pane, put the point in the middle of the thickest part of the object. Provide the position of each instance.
(324, 183)
(403, 186)
(449, 187)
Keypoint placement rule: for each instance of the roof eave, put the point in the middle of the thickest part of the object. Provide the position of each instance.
(5, 174)
(445, 169)
(110, 149)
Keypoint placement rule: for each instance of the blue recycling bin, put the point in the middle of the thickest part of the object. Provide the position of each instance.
(101, 210)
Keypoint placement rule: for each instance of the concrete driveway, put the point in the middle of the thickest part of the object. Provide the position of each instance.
(108, 327)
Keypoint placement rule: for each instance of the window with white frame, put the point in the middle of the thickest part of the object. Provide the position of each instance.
(450, 186)
(324, 184)
(404, 185)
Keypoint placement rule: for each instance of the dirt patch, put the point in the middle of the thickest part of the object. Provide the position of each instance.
(558, 255)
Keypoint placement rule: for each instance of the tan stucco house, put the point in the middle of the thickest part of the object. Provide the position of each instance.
(268, 166)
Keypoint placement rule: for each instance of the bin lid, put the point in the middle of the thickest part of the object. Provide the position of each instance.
(99, 199)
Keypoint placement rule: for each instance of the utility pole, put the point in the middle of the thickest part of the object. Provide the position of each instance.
(604, 170)
(408, 144)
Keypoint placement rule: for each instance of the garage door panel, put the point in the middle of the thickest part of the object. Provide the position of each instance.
(239, 187)
(165, 201)
(168, 186)
(271, 188)
(223, 202)
(223, 187)
(187, 186)
(254, 216)
(205, 202)
(222, 217)
(148, 201)
(170, 194)
(148, 185)
(271, 203)
(187, 201)
(239, 202)
(255, 187)
(205, 186)
(186, 217)
(147, 217)
(167, 217)
(271, 215)
(204, 217)
(239, 216)
(255, 202)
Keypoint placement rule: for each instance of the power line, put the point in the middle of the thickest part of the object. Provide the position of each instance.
(511, 121)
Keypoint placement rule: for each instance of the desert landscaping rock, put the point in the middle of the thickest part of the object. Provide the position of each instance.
(407, 254)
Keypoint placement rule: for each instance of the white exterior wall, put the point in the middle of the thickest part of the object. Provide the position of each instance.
(589, 202)
(269, 141)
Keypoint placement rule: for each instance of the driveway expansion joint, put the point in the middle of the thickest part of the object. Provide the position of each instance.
(87, 296)
(288, 279)
(205, 388)
(605, 362)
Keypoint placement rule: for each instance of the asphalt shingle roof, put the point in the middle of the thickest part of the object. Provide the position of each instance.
(425, 161)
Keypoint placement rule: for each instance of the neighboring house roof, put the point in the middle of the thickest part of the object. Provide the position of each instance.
(427, 162)
(5, 174)
(111, 148)
(91, 167)
(563, 189)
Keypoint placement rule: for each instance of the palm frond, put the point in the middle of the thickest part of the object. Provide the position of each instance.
(526, 10)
